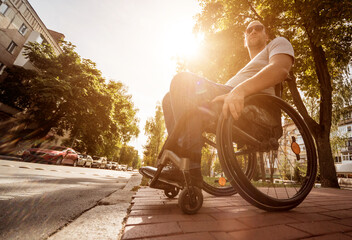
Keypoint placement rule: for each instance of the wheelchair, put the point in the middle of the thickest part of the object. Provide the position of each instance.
(268, 156)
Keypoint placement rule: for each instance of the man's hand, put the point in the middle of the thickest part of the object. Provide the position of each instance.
(233, 102)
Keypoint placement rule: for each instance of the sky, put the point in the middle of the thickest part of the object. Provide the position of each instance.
(132, 41)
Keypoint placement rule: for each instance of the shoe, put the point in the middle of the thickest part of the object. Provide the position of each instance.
(171, 174)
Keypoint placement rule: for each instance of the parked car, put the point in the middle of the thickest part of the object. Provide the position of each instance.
(129, 169)
(123, 167)
(54, 155)
(85, 160)
(99, 162)
(108, 165)
(104, 161)
(114, 165)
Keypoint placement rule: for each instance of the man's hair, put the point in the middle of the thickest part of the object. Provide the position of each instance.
(255, 21)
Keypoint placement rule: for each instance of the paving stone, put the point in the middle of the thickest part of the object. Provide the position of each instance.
(279, 232)
(320, 228)
(325, 214)
(151, 230)
(149, 207)
(310, 209)
(231, 215)
(346, 221)
(344, 206)
(213, 226)
(308, 217)
(189, 236)
(266, 219)
(339, 214)
(335, 236)
(158, 219)
(221, 236)
(149, 212)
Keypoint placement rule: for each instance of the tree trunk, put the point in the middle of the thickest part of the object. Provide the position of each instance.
(262, 167)
(326, 163)
(321, 130)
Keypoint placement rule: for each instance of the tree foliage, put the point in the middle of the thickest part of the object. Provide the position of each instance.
(67, 94)
(129, 155)
(320, 32)
(155, 131)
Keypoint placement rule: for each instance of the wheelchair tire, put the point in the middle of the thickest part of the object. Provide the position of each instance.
(278, 163)
(171, 192)
(218, 191)
(190, 205)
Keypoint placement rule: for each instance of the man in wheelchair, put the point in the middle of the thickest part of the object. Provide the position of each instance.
(270, 64)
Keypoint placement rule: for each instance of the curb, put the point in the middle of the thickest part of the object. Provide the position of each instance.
(106, 220)
(6, 157)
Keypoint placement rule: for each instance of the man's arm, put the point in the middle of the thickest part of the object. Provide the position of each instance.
(275, 72)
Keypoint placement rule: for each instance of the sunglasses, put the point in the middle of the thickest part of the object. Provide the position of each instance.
(257, 28)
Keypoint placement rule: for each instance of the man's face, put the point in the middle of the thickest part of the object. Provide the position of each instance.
(255, 35)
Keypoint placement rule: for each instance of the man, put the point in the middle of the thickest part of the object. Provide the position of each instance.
(270, 65)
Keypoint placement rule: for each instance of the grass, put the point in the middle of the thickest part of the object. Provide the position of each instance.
(213, 181)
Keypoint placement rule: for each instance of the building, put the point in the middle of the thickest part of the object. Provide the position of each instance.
(343, 159)
(20, 24)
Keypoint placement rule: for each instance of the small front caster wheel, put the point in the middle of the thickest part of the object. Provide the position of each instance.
(190, 200)
(171, 192)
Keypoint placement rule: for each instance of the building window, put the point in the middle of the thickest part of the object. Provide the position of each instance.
(23, 29)
(3, 7)
(11, 47)
(337, 159)
(2, 68)
(348, 128)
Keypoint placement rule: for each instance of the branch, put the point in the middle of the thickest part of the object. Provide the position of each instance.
(313, 125)
(255, 12)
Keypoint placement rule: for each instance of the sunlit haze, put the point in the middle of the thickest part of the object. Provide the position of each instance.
(132, 41)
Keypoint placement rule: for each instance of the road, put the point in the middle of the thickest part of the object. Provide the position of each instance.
(38, 200)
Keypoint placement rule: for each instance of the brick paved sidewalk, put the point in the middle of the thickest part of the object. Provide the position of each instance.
(325, 214)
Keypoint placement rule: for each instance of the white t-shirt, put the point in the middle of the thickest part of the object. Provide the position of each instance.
(277, 46)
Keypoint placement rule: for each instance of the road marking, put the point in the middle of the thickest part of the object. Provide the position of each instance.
(39, 168)
(3, 198)
(24, 167)
(8, 165)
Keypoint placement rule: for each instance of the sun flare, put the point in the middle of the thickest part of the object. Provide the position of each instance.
(180, 41)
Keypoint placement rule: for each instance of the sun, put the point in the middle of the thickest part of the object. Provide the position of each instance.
(179, 40)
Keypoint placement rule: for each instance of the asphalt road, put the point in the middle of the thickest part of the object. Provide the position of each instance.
(38, 200)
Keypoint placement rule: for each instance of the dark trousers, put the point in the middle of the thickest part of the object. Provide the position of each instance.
(188, 92)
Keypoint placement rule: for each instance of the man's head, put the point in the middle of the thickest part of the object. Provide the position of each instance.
(255, 36)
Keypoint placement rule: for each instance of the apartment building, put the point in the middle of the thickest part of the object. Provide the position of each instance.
(343, 160)
(20, 24)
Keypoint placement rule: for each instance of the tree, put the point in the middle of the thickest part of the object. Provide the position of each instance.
(155, 131)
(320, 32)
(129, 156)
(66, 93)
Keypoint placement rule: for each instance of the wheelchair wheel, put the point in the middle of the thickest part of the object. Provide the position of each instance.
(171, 192)
(190, 200)
(278, 144)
